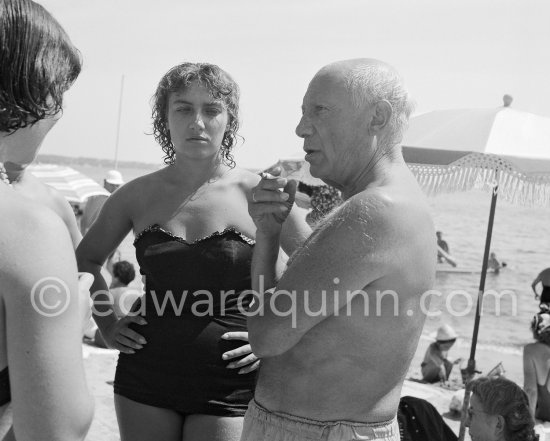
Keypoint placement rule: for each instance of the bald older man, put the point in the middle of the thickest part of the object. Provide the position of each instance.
(338, 331)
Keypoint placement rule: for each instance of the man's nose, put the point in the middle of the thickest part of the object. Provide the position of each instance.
(304, 127)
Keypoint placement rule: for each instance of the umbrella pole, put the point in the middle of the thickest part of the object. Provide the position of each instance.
(470, 369)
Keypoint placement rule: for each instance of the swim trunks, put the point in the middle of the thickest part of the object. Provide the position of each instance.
(261, 424)
(193, 291)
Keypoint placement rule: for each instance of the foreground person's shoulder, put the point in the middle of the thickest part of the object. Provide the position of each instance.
(29, 228)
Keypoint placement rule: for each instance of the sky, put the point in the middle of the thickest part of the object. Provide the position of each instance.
(452, 54)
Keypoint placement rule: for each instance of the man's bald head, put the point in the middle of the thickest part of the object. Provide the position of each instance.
(369, 81)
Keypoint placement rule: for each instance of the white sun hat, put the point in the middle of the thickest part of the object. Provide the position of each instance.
(114, 177)
(445, 332)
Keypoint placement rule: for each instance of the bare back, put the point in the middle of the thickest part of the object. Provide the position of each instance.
(352, 364)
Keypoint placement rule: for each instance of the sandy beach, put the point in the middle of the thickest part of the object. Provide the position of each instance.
(100, 369)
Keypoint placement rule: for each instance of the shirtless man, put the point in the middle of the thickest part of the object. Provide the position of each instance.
(338, 375)
(544, 279)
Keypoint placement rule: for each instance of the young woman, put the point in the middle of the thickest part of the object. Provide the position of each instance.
(179, 375)
(41, 317)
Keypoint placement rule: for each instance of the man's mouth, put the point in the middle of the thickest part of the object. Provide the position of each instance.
(197, 138)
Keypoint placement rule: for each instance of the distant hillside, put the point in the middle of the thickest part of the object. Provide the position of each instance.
(94, 162)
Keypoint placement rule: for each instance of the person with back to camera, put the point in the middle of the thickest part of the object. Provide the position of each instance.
(39, 344)
(331, 369)
(536, 367)
(436, 367)
(544, 279)
(499, 411)
(193, 234)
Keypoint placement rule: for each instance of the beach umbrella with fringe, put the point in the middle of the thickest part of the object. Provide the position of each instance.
(503, 150)
(73, 185)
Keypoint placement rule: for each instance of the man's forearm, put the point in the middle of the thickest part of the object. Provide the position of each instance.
(266, 267)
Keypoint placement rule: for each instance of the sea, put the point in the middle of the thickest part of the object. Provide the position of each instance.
(521, 239)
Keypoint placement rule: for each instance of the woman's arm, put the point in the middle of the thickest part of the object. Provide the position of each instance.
(530, 378)
(50, 398)
(107, 232)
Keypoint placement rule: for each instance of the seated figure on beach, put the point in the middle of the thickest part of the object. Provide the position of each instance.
(544, 279)
(41, 367)
(536, 367)
(186, 370)
(436, 366)
(333, 365)
(499, 411)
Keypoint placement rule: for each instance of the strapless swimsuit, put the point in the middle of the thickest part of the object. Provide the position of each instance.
(195, 293)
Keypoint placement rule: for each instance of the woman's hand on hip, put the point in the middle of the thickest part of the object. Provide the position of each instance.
(249, 362)
(119, 336)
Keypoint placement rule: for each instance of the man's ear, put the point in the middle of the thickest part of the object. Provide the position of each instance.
(381, 117)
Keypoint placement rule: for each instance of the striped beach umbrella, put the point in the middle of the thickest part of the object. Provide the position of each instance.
(503, 150)
(73, 185)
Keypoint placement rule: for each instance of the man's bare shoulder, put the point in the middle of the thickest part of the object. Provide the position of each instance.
(381, 211)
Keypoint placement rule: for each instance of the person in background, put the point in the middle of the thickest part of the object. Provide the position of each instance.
(442, 244)
(544, 279)
(494, 264)
(443, 253)
(499, 411)
(41, 367)
(112, 181)
(185, 371)
(536, 367)
(436, 366)
(123, 296)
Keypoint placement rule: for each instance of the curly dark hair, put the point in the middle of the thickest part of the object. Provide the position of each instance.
(218, 82)
(500, 396)
(38, 63)
(124, 271)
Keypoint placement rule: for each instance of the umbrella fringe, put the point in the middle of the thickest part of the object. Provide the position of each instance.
(513, 186)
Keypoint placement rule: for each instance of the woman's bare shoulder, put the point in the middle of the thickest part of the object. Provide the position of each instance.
(246, 179)
(139, 187)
